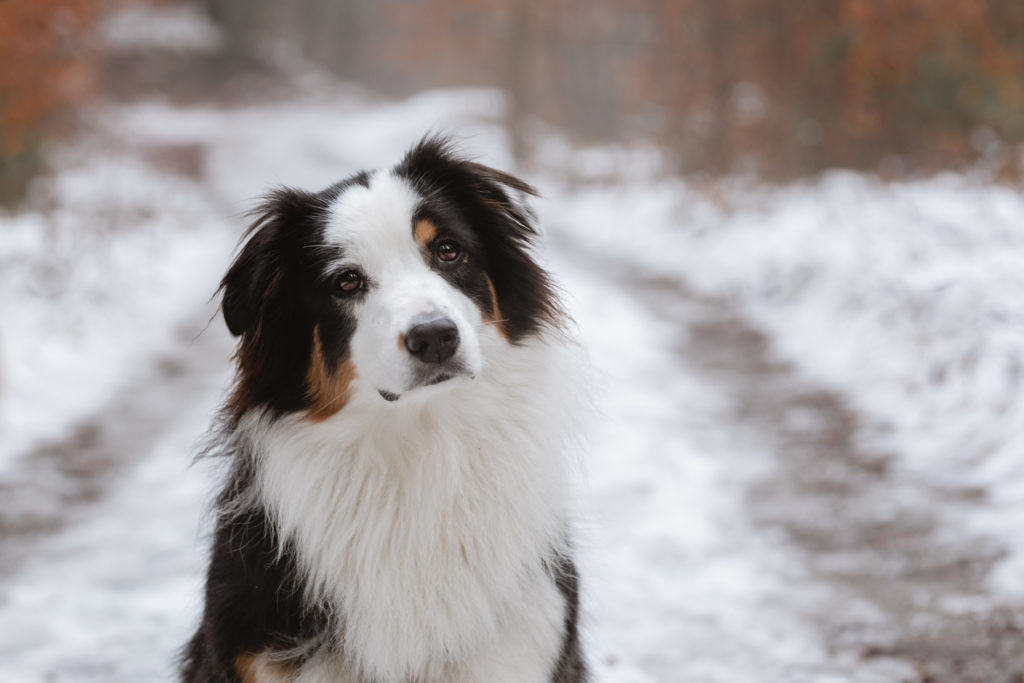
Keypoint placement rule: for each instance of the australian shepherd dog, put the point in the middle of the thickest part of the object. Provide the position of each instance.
(398, 435)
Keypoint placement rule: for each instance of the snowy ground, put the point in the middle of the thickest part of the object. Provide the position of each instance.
(807, 469)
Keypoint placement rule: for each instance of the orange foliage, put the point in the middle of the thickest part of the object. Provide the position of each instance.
(44, 64)
(826, 83)
(896, 42)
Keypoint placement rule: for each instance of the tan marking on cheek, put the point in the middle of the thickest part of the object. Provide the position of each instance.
(424, 232)
(262, 669)
(496, 318)
(401, 341)
(327, 387)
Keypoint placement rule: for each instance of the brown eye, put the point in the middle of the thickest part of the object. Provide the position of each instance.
(348, 282)
(448, 251)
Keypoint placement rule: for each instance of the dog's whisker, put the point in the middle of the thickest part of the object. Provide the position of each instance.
(340, 397)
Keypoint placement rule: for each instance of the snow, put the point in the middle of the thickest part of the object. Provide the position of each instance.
(172, 27)
(697, 595)
(905, 297)
(902, 297)
(114, 596)
(93, 282)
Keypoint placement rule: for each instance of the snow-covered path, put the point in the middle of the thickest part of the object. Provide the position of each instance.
(103, 583)
(736, 526)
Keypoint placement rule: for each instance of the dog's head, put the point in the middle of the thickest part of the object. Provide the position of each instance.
(388, 282)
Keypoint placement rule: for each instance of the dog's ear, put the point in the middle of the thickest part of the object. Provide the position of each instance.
(257, 271)
(507, 194)
(508, 225)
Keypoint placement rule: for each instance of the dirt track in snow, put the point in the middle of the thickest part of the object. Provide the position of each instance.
(52, 485)
(901, 579)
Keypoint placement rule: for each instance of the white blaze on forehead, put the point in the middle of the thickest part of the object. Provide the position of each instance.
(374, 224)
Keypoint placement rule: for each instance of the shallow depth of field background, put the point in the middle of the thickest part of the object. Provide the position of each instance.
(791, 235)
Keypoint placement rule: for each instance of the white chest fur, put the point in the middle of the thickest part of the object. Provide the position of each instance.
(426, 522)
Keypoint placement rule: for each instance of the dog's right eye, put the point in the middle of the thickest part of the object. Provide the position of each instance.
(348, 282)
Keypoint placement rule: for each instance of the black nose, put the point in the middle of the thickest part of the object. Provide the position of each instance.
(433, 341)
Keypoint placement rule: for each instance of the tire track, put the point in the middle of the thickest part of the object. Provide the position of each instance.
(903, 580)
(57, 482)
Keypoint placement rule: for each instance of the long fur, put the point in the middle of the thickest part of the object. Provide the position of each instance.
(401, 533)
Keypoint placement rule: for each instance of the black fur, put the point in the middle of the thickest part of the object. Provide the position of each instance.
(571, 667)
(253, 599)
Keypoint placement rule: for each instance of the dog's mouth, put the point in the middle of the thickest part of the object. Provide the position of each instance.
(437, 379)
(427, 379)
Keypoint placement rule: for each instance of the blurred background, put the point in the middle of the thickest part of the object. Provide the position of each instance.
(791, 235)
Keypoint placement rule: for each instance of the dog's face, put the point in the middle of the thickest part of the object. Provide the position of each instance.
(386, 283)
(412, 278)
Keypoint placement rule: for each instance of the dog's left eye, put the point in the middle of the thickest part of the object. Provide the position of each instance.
(448, 251)
(348, 282)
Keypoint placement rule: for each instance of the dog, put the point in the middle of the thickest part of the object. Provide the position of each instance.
(399, 434)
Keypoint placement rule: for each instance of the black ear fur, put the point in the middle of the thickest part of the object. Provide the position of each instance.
(434, 164)
(253, 274)
(247, 281)
(494, 187)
